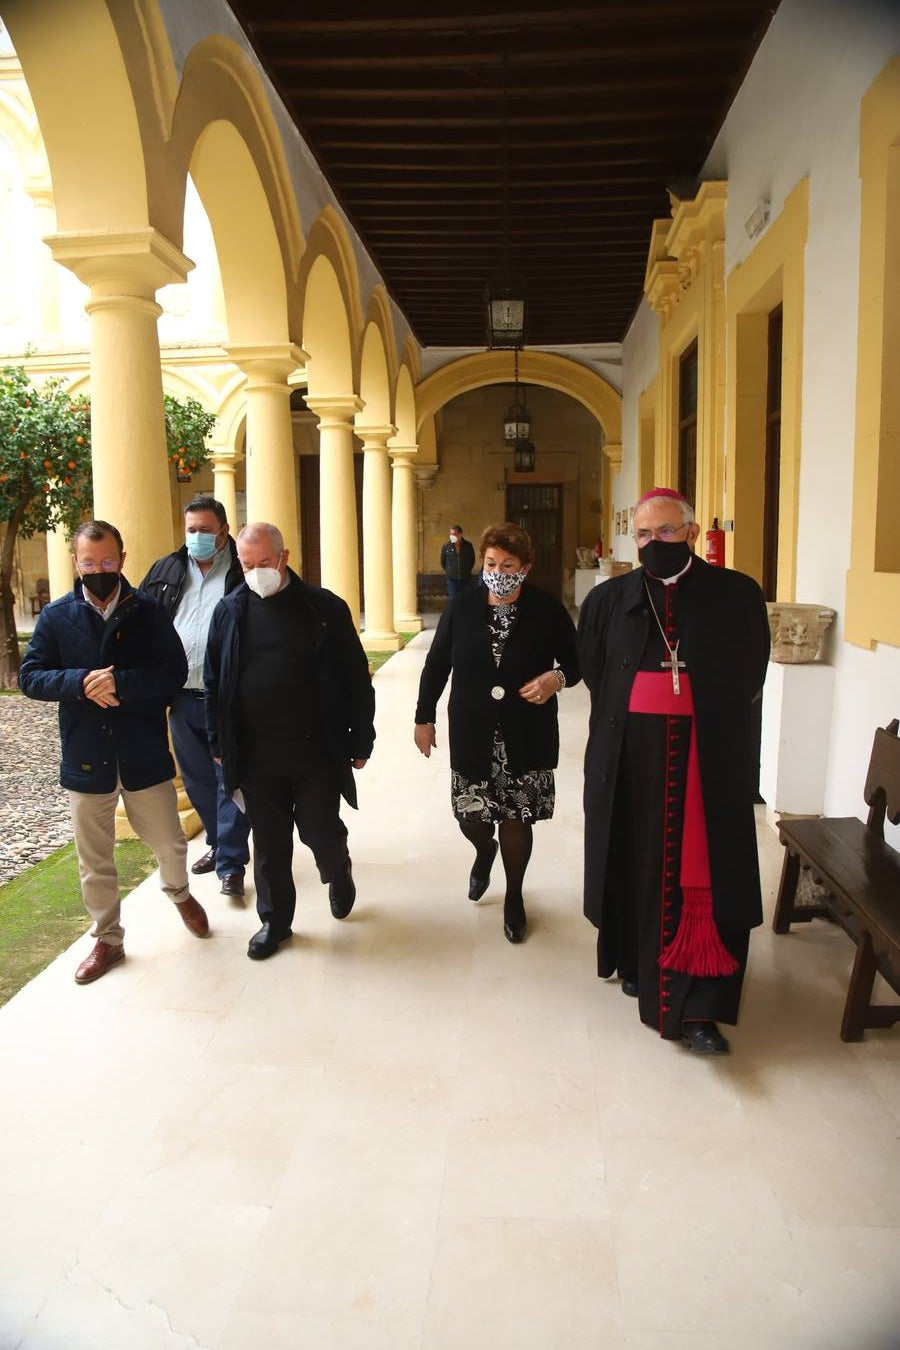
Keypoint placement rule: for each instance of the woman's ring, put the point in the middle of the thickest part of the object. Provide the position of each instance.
(538, 697)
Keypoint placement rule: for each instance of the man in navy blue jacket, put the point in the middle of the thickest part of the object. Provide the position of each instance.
(110, 656)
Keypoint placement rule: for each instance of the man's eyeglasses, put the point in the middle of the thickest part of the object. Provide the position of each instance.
(107, 565)
(665, 532)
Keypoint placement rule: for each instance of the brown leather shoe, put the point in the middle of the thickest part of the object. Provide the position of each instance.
(205, 863)
(104, 955)
(233, 885)
(194, 916)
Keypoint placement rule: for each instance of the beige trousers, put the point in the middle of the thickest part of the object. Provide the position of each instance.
(153, 815)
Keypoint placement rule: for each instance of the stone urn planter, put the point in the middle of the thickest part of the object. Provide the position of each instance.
(797, 631)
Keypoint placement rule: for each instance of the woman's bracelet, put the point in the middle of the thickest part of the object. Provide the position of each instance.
(560, 677)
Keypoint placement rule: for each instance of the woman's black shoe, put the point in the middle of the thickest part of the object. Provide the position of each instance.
(514, 923)
(479, 884)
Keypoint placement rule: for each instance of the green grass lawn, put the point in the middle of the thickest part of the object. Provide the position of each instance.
(41, 911)
(377, 659)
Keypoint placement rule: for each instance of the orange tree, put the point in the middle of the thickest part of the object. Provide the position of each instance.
(45, 472)
(45, 478)
(187, 424)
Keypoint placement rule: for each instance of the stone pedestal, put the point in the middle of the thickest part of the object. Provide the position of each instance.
(796, 720)
(586, 578)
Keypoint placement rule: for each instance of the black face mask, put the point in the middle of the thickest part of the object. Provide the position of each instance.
(101, 584)
(665, 560)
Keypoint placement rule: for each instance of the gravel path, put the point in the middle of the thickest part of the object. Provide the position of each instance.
(34, 809)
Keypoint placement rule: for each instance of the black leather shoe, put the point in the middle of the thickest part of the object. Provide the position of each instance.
(629, 987)
(205, 864)
(479, 884)
(266, 941)
(233, 885)
(342, 893)
(515, 925)
(704, 1038)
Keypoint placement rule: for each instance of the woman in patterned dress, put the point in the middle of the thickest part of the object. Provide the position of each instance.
(511, 650)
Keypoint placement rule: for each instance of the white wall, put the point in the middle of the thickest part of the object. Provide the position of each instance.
(640, 353)
(797, 115)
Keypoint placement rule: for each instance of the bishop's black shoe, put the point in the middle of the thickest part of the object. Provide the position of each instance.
(480, 880)
(342, 893)
(267, 941)
(629, 987)
(704, 1038)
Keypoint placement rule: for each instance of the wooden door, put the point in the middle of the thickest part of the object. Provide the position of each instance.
(537, 508)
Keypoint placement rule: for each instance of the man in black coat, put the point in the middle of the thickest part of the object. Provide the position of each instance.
(109, 656)
(457, 561)
(674, 654)
(290, 710)
(189, 583)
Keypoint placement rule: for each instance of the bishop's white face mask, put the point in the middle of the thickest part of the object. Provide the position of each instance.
(264, 581)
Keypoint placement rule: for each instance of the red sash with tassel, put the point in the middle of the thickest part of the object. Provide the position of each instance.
(697, 948)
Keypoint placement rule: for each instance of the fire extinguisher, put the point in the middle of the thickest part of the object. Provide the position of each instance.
(715, 545)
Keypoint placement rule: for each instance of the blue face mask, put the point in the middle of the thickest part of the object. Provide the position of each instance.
(201, 547)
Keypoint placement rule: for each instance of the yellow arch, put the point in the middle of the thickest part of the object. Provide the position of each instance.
(77, 77)
(328, 239)
(405, 411)
(543, 368)
(327, 335)
(374, 379)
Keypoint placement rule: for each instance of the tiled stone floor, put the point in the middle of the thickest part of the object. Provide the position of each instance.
(403, 1133)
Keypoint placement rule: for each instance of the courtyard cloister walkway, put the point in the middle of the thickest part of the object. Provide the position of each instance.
(402, 1132)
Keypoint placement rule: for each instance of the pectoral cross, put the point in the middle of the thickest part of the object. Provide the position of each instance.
(674, 665)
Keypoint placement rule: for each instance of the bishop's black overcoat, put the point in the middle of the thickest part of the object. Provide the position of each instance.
(724, 632)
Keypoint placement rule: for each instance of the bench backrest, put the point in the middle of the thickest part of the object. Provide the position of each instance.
(882, 790)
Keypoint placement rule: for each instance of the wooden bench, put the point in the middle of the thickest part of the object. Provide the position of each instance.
(860, 879)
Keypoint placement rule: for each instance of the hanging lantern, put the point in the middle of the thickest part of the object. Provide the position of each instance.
(524, 457)
(505, 317)
(517, 422)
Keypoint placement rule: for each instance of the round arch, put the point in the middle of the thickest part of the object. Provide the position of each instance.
(543, 368)
(405, 411)
(327, 333)
(374, 379)
(105, 191)
(329, 243)
(221, 88)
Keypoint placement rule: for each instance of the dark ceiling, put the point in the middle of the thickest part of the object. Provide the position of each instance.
(466, 139)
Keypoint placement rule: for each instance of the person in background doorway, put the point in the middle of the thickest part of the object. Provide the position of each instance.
(189, 583)
(457, 561)
(511, 650)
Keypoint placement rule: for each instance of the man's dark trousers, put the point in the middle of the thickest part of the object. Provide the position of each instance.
(291, 789)
(454, 585)
(227, 827)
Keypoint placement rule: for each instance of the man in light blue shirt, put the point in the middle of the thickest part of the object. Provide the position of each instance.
(189, 583)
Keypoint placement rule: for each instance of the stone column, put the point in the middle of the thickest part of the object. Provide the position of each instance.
(406, 616)
(272, 480)
(128, 438)
(42, 200)
(224, 465)
(60, 568)
(378, 573)
(337, 496)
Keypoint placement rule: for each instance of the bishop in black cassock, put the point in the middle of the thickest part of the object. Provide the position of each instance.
(675, 655)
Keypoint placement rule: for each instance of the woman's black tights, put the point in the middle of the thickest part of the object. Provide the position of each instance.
(516, 840)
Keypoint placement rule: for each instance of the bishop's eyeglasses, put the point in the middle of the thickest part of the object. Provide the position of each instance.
(665, 532)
